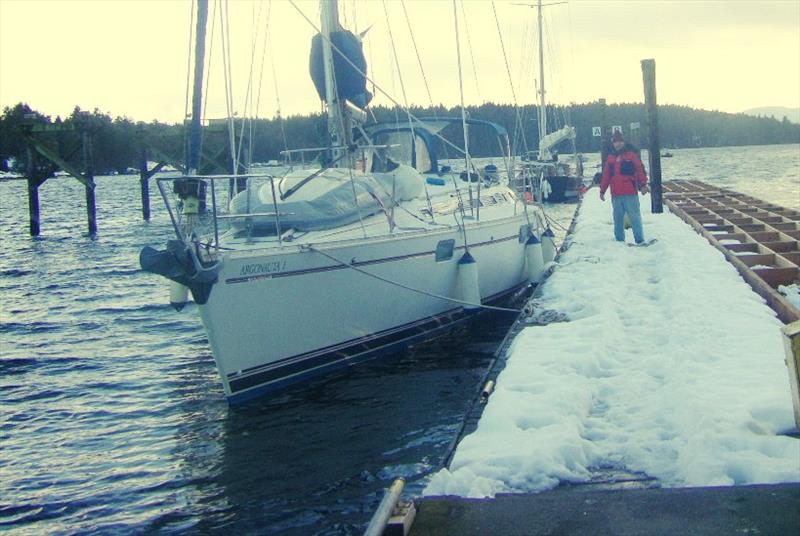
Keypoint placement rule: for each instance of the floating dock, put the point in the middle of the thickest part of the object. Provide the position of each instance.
(760, 240)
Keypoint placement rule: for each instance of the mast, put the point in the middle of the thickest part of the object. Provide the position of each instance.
(329, 19)
(542, 107)
(195, 132)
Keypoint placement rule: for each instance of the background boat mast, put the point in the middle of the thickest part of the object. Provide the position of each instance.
(542, 108)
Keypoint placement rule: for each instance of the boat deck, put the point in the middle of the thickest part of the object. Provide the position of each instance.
(761, 239)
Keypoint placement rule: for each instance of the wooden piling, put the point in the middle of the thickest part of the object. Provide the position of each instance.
(89, 186)
(33, 193)
(144, 177)
(654, 148)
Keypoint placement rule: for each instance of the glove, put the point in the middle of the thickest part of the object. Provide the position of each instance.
(644, 189)
(602, 196)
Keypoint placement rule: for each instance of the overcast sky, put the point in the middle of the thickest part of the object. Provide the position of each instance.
(129, 58)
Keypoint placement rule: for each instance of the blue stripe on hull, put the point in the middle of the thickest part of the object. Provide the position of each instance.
(281, 377)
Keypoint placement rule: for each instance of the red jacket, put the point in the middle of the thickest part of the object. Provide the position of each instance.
(623, 172)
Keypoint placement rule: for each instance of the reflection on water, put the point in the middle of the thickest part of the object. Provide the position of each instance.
(112, 418)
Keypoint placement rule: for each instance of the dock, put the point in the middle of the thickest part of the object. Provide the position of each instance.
(729, 337)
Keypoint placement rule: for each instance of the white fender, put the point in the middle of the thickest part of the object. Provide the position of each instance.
(469, 289)
(548, 245)
(178, 295)
(534, 259)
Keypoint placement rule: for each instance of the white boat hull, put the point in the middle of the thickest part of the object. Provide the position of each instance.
(280, 315)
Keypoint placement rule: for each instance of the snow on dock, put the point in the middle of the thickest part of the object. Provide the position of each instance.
(669, 365)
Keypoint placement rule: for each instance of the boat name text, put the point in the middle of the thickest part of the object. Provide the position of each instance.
(263, 268)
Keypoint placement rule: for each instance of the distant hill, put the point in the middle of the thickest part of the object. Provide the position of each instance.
(778, 112)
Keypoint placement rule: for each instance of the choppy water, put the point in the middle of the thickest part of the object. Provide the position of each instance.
(112, 419)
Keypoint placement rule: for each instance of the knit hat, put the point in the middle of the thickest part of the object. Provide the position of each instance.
(617, 137)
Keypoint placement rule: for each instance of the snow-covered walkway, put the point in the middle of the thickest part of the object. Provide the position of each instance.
(669, 365)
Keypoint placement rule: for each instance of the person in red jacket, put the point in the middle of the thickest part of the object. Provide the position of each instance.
(624, 173)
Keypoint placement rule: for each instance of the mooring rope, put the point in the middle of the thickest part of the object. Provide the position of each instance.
(412, 289)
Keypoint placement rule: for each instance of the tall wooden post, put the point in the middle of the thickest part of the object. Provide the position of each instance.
(144, 176)
(654, 148)
(91, 208)
(33, 193)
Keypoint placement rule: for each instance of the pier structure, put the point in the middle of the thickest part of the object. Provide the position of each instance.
(37, 173)
(53, 147)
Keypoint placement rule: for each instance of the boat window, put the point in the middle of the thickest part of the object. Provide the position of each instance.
(400, 151)
(444, 250)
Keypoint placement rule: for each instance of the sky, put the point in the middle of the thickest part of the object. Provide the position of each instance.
(129, 58)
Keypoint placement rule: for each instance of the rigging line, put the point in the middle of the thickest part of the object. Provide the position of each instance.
(355, 198)
(281, 122)
(509, 164)
(469, 46)
(419, 59)
(412, 289)
(524, 70)
(189, 61)
(231, 118)
(463, 112)
(209, 56)
(508, 70)
(263, 56)
(369, 45)
(405, 99)
(375, 85)
(249, 90)
(188, 79)
(228, 102)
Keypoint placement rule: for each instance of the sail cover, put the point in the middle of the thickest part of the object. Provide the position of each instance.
(350, 83)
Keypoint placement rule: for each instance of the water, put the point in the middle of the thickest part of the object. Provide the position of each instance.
(112, 419)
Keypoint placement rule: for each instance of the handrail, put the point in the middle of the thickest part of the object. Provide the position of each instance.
(214, 214)
(253, 215)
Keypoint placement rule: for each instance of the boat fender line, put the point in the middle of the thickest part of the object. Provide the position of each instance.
(469, 289)
(412, 289)
(381, 516)
(181, 264)
(534, 258)
(548, 245)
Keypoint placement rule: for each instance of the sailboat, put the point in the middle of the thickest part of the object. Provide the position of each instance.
(378, 248)
(550, 179)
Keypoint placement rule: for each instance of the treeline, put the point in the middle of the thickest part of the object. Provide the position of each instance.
(116, 141)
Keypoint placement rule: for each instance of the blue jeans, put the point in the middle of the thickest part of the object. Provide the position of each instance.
(629, 204)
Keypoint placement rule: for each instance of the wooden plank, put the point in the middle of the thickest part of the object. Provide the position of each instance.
(777, 276)
(767, 259)
(57, 160)
(782, 246)
(792, 257)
